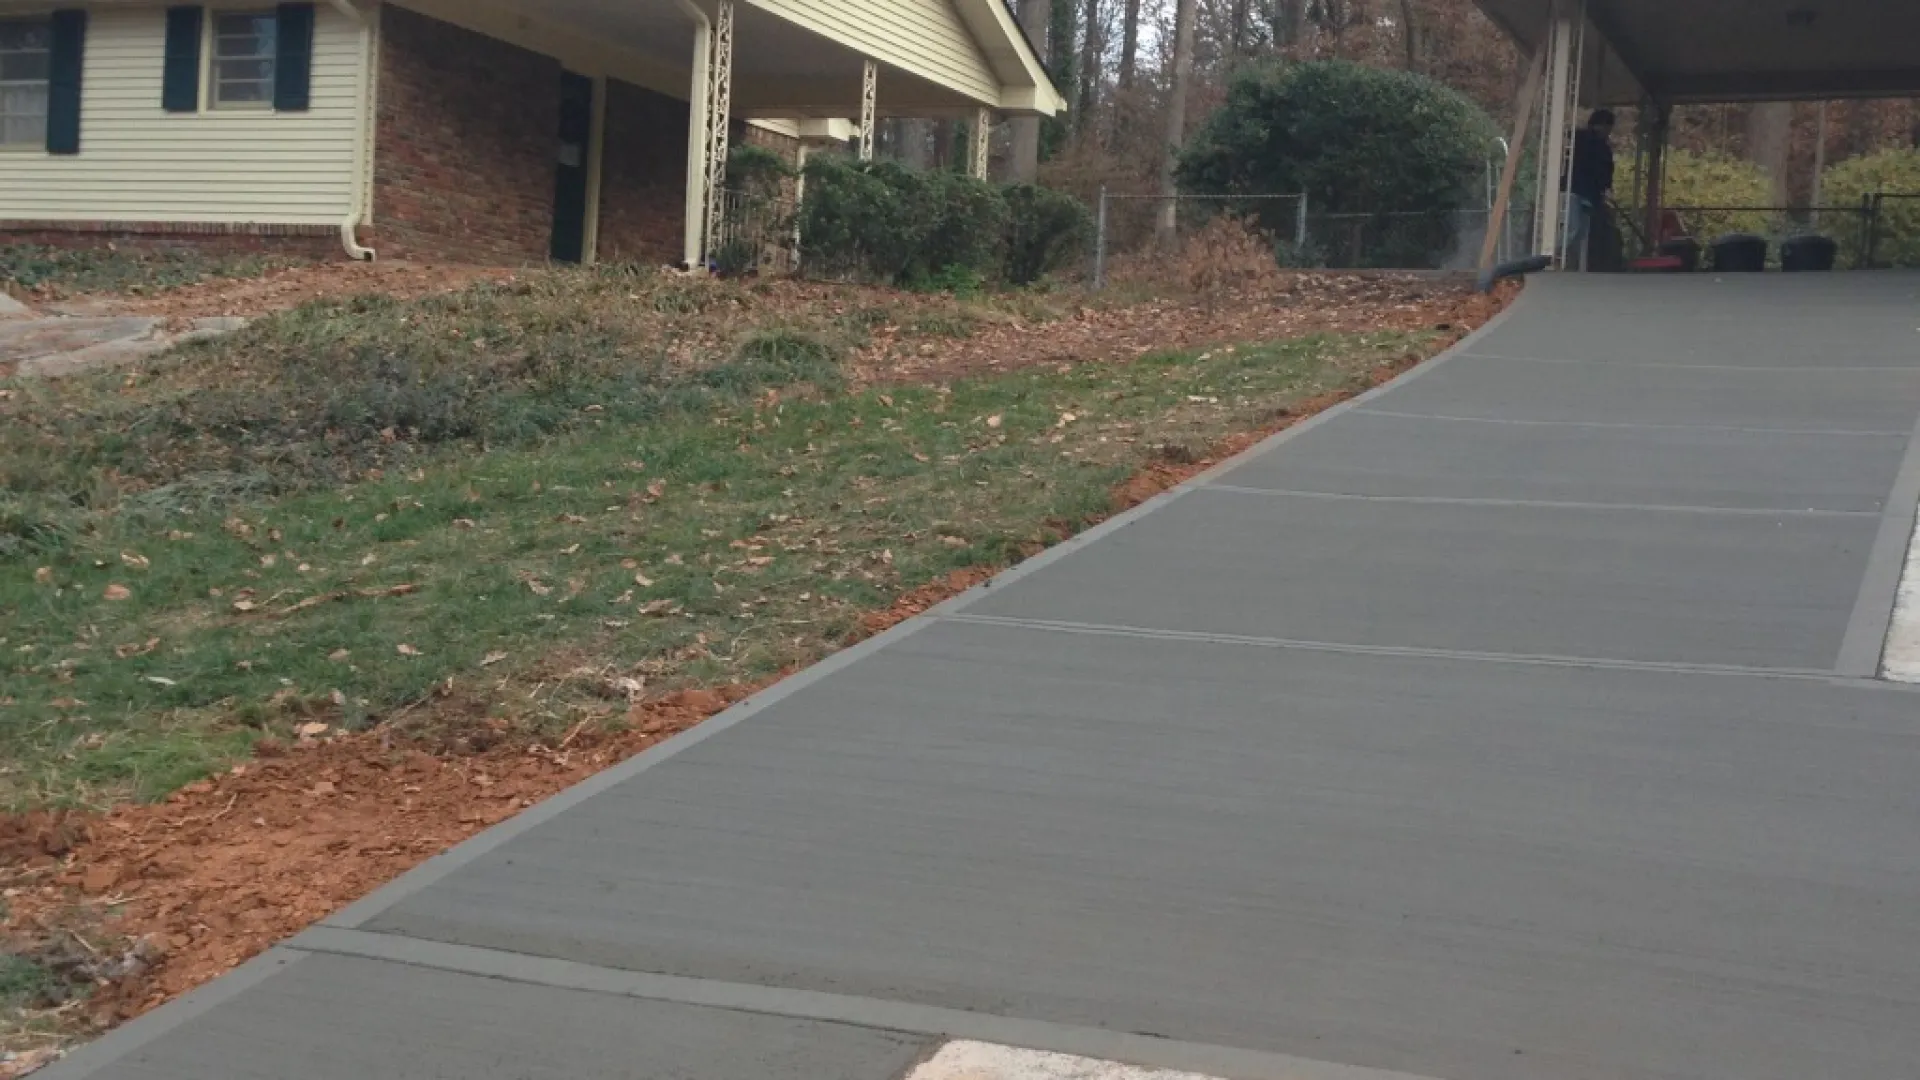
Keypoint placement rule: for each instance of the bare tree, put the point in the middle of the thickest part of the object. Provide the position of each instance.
(1129, 42)
(1239, 28)
(1183, 21)
(1025, 166)
(1092, 51)
(1769, 142)
(1410, 34)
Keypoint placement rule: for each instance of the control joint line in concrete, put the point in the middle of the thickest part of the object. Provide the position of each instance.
(872, 1013)
(1864, 647)
(1409, 651)
(1611, 425)
(1544, 504)
(1802, 368)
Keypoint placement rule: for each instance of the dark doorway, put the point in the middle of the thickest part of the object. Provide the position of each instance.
(570, 186)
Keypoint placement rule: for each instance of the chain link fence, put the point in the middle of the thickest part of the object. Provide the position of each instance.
(1450, 240)
(1893, 230)
(1132, 228)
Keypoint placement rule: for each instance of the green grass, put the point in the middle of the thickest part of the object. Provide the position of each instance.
(730, 522)
(64, 271)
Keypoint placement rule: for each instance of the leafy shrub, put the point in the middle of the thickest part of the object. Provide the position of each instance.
(1897, 232)
(967, 227)
(1354, 139)
(1047, 231)
(881, 221)
(857, 219)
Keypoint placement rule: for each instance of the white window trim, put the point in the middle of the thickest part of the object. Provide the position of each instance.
(210, 62)
(36, 19)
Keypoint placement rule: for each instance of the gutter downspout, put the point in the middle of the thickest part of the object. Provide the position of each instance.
(362, 132)
(697, 164)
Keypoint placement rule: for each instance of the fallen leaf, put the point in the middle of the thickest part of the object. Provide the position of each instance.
(760, 560)
(126, 651)
(539, 589)
(994, 421)
(311, 731)
(339, 656)
(406, 650)
(244, 606)
(657, 488)
(643, 581)
(43, 576)
(117, 591)
(135, 560)
(324, 787)
(493, 658)
(159, 680)
(574, 550)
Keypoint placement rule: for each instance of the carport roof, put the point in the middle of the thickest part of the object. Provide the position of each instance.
(1737, 50)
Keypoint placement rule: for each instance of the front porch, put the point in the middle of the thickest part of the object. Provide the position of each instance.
(652, 94)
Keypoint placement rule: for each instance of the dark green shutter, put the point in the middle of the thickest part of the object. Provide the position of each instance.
(180, 90)
(293, 67)
(63, 84)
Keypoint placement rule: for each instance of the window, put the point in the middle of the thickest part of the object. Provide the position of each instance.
(26, 68)
(245, 44)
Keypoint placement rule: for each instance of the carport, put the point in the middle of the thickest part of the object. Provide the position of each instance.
(1655, 54)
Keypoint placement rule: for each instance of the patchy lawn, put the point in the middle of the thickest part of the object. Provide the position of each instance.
(343, 589)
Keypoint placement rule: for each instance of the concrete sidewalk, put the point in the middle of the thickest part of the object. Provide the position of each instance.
(1518, 721)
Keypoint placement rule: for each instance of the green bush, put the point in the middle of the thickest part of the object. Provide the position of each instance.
(967, 222)
(1355, 140)
(1047, 231)
(1897, 232)
(858, 219)
(883, 222)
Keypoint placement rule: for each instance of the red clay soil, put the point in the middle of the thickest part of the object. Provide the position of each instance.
(227, 867)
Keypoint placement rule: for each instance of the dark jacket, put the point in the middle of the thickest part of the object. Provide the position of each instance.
(1592, 175)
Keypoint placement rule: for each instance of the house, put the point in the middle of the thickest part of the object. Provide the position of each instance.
(496, 131)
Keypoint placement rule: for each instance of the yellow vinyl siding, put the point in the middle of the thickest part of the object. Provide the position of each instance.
(921, 37)
(139, 163)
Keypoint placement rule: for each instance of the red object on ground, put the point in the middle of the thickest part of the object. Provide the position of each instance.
(1657, 264)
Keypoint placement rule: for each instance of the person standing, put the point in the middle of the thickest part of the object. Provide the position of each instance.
(1589, 182)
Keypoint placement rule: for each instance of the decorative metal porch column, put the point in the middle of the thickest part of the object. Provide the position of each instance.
(981, 144)
(1566, 50)
(869, 107)
(719, 121)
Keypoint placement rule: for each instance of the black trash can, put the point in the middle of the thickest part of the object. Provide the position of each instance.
(1809, 254)
(1740, 253)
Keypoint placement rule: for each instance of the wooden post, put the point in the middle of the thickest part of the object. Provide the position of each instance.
(1523, 117)
(1657, 173)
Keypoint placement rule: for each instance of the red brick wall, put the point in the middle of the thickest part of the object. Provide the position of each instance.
(643, 177)
(465, 145)
(315, 242)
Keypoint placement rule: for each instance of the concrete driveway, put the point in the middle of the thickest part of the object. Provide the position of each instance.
(1518, 721)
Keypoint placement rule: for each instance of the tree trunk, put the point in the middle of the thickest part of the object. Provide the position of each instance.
(1091, 50)
(1129, 42)
(1025, 164)
(1769, 142)
(1183, 21)
(1410, 35)
(1239, 30)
